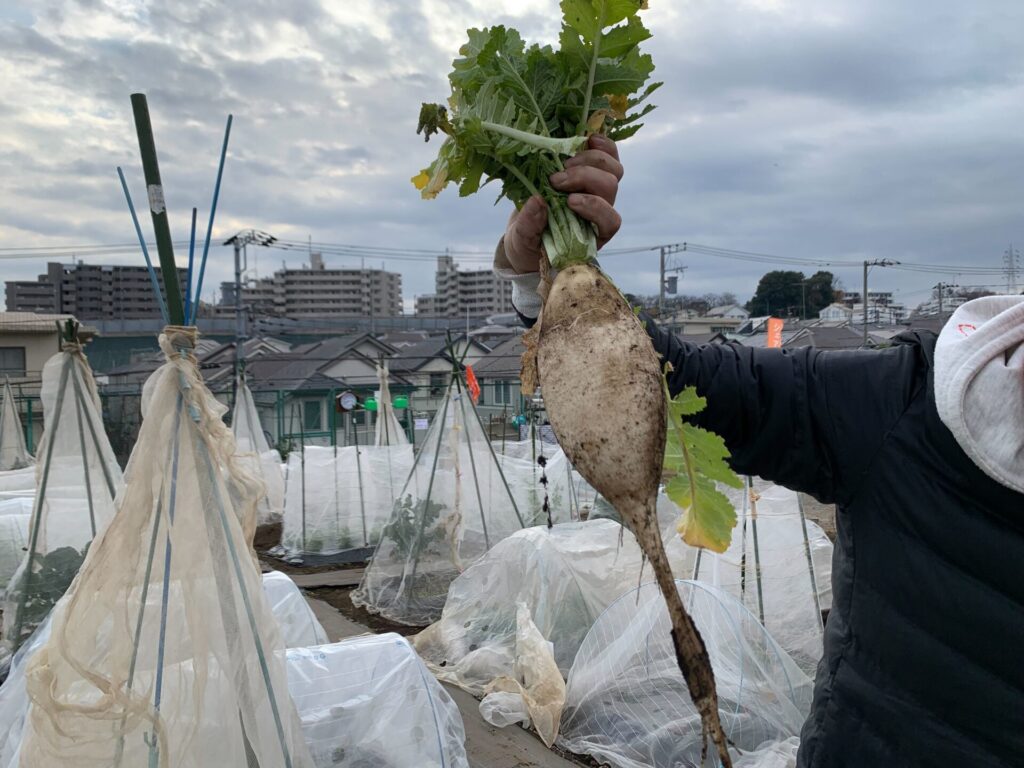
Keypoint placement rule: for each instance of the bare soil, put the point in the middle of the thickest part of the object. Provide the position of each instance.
(340, 599)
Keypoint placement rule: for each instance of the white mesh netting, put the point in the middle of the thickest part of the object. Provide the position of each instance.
(256, 453)
(298, 625)
(779, 565)
(77, 481)
(458, 502)
(388, 430)
(15, 516)
(369, 702)
(340, 498)
(163, 652)
(627, 703)
(13, 453)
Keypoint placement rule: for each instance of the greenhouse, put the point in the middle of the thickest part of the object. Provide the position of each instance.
(78, 480)
(627, 704)
(15, 518)
(13, 453)
(255, 451)
(458, 501)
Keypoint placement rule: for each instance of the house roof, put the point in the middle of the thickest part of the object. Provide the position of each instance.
(411, 359)
(824, 337)
(723, 310)
(502, 362)
(31, 322)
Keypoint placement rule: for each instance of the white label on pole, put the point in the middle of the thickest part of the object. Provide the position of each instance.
(421, 423)
(156, 198)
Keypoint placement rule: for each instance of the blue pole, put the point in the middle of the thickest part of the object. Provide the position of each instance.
(209, 226)
(191, 261)
(145, 250)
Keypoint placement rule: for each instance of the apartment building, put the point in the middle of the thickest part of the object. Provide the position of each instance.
(316, 291)
(88, 291)
(458, 292)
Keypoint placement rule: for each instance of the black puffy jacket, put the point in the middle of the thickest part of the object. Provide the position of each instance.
(924, 647)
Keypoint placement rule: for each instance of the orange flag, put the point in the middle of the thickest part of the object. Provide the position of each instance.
(774, 332)
(472, 384)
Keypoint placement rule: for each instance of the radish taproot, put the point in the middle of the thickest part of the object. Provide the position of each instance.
(514, 114)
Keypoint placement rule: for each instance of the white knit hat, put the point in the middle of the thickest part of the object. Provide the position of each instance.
(979, 384)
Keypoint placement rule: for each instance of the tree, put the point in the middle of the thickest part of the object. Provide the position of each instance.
(820, 292)
(778, 293)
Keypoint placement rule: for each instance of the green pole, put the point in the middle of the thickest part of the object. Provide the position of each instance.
(158, 209)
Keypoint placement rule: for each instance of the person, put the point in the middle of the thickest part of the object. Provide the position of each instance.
(921, 448)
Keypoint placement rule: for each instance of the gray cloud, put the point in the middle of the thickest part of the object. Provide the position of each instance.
(839, 130)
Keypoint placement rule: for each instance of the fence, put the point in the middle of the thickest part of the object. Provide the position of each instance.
(290, 418)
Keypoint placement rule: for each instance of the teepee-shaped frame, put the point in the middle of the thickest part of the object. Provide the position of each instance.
(13, 453)
(456, 504)
(388, 430)
(77, 482)
(165, 651)
(253, 446)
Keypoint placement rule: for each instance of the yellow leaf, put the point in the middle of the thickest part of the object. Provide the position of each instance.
(618, 103)
(421, 179)
(697, 535)
(595, 124)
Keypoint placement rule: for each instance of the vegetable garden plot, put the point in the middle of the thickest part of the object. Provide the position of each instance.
(13, 453)
(340, 498)
(78, 479)
(299, 627)
(163, 651)
(255, 451)
(369, 702)
(458, 502)
(627, 703)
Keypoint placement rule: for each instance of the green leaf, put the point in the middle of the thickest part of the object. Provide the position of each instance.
(695, 460)
(581, 17)
(623, 39)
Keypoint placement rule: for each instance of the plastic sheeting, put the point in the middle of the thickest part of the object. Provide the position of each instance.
(779, 565)
(298, 627)
(458, 502)
(627, 703)
(256, 453)
(13, 453)
(163, 652)
(341, 498)
(77, 481)
(388, 431)
(369, 702)
(18, 482)
(15, 515)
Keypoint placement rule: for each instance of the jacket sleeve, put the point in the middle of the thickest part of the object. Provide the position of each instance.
(807, 419)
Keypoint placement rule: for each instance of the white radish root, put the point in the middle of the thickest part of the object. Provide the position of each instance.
(602, 387)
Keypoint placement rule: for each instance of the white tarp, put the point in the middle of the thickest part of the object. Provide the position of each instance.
(256, 453)
(165, 651)
(627, 704)
(369, 702)
(13, 454)
(458, 502)
(299, 627)
(341, 498)
(77, 479)
(387, 431)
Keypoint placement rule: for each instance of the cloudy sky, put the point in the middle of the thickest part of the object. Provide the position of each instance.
(838, 130)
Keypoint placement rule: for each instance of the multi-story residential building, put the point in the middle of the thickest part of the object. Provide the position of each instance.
(316, 291)
(88, 291)
(457, 292)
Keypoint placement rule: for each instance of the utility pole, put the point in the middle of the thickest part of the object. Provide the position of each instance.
(942, 288)
(1011, 263)
(240, 241)
(864, 298)
(666, 250)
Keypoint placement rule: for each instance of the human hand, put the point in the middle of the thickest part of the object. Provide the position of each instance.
(591, 178)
